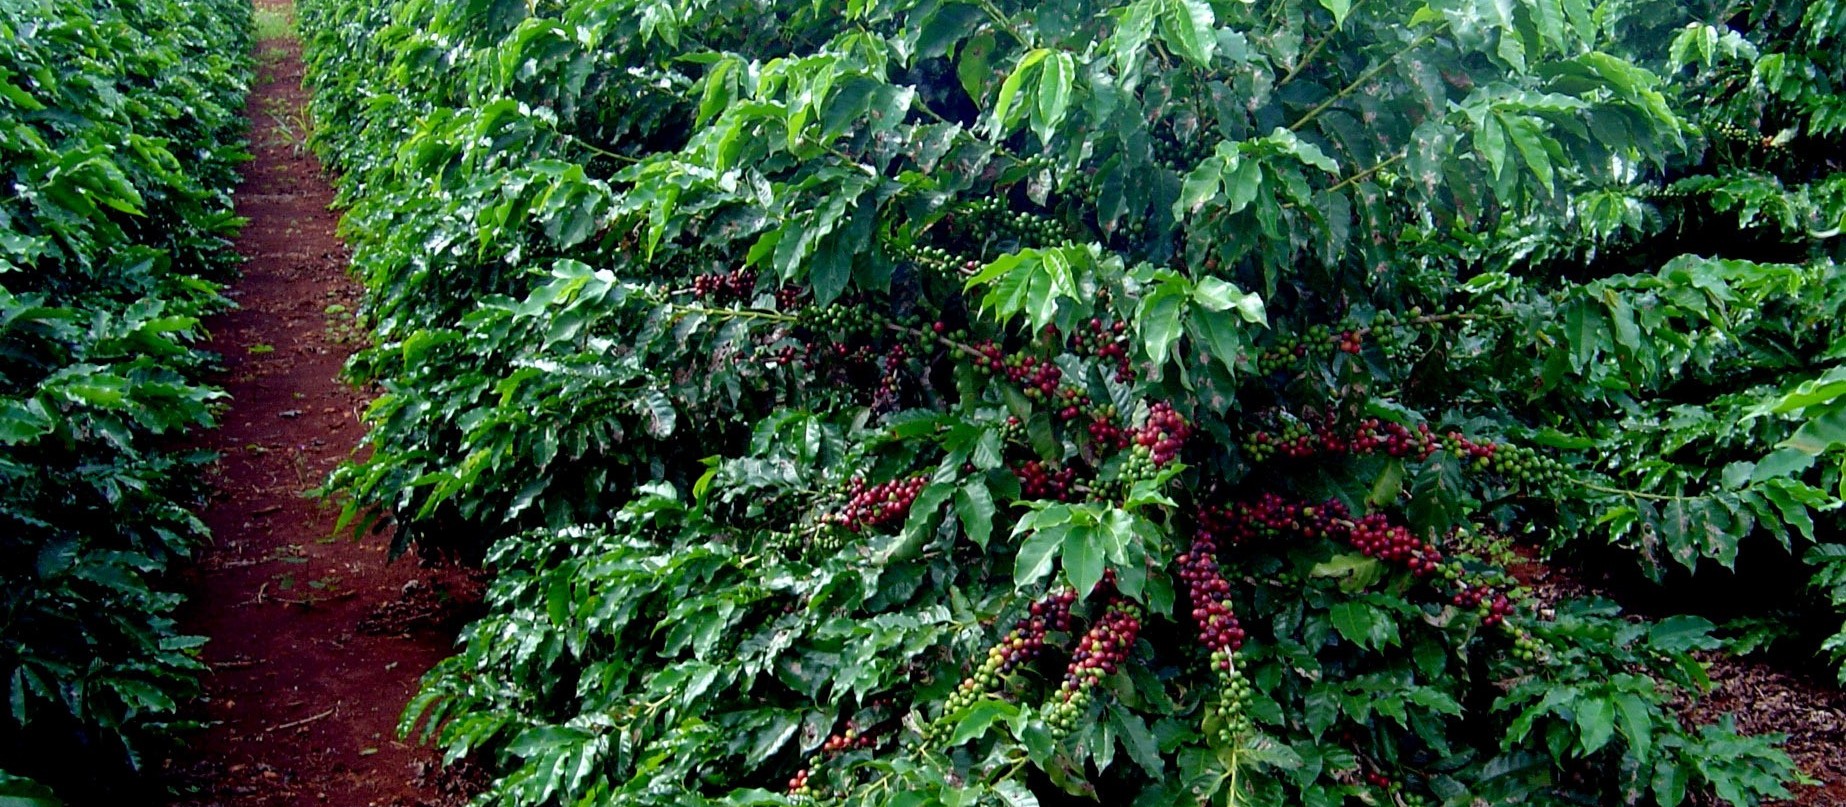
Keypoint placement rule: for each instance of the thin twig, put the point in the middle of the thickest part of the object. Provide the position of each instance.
(1636, 494)
(1361, 81)
(1366, 174)
(302, 722)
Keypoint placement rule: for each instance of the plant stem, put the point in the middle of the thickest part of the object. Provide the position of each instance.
(621, 158)
(747, 313)
(940, 339)
(1636, 494)
(1005, 22)
(1366, 174)
(1356, 83)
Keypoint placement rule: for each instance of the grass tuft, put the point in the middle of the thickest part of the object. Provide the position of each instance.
(275, 23)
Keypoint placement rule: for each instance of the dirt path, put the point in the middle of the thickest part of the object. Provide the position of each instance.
(316, 642)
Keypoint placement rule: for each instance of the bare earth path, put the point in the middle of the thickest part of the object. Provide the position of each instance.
(316, 642)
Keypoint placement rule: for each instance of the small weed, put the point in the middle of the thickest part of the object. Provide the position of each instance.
(294, 127)
(274, 23)
(261, 349)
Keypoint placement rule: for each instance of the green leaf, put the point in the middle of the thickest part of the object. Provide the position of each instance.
(974, 721)
(1362, 624)
(659, 411)
(1140, 743)
(1129, 42)
(1084, 555)
(1014, 84)
(1820, 434)
(1388, 486)
(1321, 708)
(1826, 389)
(1015, 794)
(1595, 723)
(1054, 91)
(1035, 555)
(1159, 317)
(1201, 184)
(1355, 572)
(1339, 9)
(1242, 183)
(1670, 780)
(975, 506)
(1636, 724)
(974, 65)
(1490, 141)
(1214, 294)
(1187, 28)
(1683, 634)
(1531, 144)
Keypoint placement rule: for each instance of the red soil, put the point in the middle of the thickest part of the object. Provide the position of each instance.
(316, 640)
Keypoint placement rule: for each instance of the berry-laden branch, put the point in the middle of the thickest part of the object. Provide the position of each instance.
(1295, 439)
(1025, 642)
(1100, 652)
(1221, 636)
(1320, 342)
(1270, 516)
(874, 506)
(853, 737)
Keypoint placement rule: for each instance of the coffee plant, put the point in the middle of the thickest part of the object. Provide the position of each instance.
(928, 401)
(121, 128)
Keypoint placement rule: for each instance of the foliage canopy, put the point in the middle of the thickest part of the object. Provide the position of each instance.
(785, 354)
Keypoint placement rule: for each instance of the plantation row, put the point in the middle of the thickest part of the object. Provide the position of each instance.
(925, 402)
(120, 131)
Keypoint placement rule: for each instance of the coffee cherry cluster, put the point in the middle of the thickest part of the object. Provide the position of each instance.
(1068, 403)
(1219, 633)
(1165, 431)
(844, 317)
(1296, 439)
(788, 298)
(891, 379)
(1038, 377)
(1375, 537)
(1163, 434)
(852, 738)
(1271, 516)
(1020, 645)
(1521, 464)
(850, 364)
(1229, 717)
(1101, 652)
(1105, 430)
(1041, 480)
(1493, 605)
(1107, 341)
(874, 506)
(1511, 462)
(798, 786)
(1320, 343)
(1038, 162)
(1210, 596)
(940, 261)
(723, 287)
(1179, 153)
(805, 543)
(990, 218)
